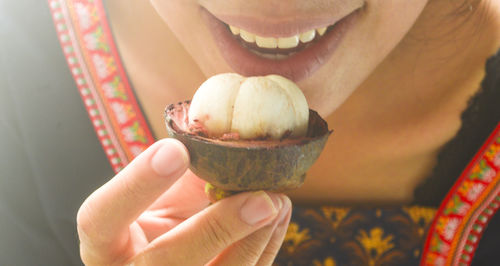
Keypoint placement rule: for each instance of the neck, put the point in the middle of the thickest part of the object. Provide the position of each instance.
(389, 131)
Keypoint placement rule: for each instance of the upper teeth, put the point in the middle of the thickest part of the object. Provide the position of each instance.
(284, 42)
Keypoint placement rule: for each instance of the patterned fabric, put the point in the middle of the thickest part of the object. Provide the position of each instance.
(93, 59)
(466, 210)
(324, 235)
(352, 236)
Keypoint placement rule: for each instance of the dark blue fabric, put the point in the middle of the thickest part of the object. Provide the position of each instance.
(355, 236)
(51, 160)
(488, 250)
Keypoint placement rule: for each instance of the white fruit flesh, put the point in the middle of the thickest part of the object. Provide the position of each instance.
(255, 107)
(212, 104)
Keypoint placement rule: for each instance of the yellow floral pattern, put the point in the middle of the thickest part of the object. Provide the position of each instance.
(329, 261)
(420, 216)
(340, 213)
(374, 243)
(295, 237)
(330, 235)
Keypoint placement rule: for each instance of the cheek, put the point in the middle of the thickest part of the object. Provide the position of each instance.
(381, 26)
(378, 31)
(387, 22)
(183, 17)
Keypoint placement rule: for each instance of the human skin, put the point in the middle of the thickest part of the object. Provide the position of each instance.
(377, 30)
(393, 90)
(148, 215)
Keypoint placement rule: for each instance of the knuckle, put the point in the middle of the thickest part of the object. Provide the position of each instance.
(252, 246)
(271, 250)
(255, 242)
(143, 258)
(274, 246)
(249, 252)
(217, 232)
(155, 253)
(84, 220)
(133, 189)
(85, 255)
(89, 230)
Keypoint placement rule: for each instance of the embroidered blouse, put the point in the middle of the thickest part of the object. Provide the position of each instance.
(324, 235)
(443, 227)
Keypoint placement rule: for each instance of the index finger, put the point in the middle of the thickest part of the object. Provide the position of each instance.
(108, 212)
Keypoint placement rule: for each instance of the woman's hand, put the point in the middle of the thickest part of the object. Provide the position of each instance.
(148, 215)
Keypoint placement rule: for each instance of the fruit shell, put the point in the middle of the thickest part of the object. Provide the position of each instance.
(245, 165)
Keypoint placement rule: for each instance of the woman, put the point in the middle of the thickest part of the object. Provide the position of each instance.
(392, 79)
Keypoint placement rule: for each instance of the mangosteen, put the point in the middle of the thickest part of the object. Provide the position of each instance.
(247, 134)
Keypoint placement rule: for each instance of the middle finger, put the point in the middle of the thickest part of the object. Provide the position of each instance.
(184, 198)
(249, 250)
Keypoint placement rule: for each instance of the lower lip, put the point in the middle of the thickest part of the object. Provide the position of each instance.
(296, 67)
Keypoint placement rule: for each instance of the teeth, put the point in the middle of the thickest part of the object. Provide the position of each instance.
(289, 42)
(234, 30)
(268, 56)
(283, 43)
(307, 36)
(247, 36)
(272, 56)
(270, 42)
(321, 31)
(281, 56)
(263, 42)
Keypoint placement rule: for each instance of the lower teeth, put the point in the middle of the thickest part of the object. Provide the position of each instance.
(272, 56)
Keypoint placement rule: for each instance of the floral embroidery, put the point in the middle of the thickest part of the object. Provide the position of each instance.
(115, 89)
(352, 236)
(493, 154)
(469, 205)
(482, 172)
(87, 15)
(420, 216)
(295, 237)
(104, 65)
(123, 112)
(374, 244)
(329, 261)
(134, 133)
(96, 40)
(456, 205)
(96, 67)
(340, 213)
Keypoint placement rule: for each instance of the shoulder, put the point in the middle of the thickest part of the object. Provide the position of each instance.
(479, 120)
(50, 156)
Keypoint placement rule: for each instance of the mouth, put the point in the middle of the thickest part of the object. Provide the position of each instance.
(277, 48)
(293, 54)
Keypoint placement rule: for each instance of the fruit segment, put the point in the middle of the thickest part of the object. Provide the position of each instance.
(253, 108)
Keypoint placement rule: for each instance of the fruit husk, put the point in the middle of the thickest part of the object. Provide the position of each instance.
(231, 166)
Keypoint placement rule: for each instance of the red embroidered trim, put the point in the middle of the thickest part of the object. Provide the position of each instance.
(97, 69)
(469, 205)
(123, 132)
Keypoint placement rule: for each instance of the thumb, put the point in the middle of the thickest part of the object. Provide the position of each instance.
(214, 229)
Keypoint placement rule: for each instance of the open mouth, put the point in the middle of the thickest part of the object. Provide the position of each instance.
(277, 48)
(295, 56)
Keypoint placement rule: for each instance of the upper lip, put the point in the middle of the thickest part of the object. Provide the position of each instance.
(289, 23)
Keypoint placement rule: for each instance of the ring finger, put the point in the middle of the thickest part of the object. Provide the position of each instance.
(250, 250)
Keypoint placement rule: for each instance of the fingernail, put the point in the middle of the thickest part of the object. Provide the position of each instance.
(287, 204)
(277, 201)
(170, 158)
(258, 207)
